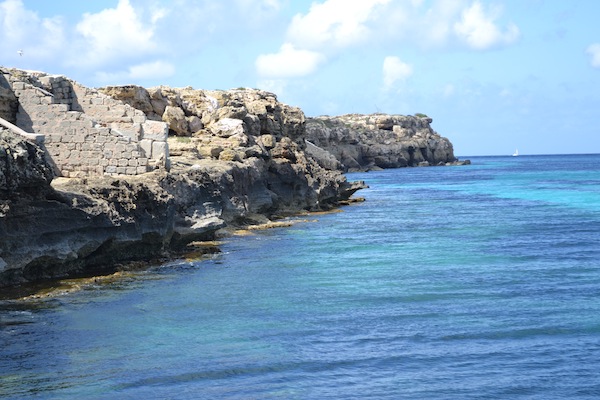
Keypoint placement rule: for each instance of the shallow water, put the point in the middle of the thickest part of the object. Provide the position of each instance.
(478, 281)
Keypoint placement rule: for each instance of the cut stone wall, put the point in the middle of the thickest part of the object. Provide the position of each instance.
(87, 133)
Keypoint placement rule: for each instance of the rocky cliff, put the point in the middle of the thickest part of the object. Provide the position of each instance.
(237, 158)
(363, 142)
(231, 158)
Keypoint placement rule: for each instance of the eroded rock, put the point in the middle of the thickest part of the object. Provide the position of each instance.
(362, 142)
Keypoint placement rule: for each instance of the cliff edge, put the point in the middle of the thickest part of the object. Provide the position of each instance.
(90, 178)
(87, 195)
(362, 142)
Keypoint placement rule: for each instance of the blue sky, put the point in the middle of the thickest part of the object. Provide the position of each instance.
(493, 75)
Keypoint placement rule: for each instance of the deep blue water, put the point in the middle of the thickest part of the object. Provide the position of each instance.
(472, 282)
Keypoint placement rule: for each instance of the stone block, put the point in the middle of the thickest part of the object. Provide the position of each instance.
(101, 139)
(73, 115)
(146, 147)
(160, 149)
(110, 169)
(131, 170)
(133, 132)
(139, 119)
(142, 170)
(133, 146)
(66, 124)
(123, 162)
(110, 147)
(155, 130)
(61, 108)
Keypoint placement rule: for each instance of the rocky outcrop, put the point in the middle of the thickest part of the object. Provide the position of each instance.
(362, 142)
(238, 159)
(24, 172)
(8, 101)
(248, 141)
(230, 159)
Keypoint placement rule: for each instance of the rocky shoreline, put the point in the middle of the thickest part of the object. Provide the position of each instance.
(233, 158)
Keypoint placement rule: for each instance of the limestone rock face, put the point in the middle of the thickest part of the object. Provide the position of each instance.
(24, 171)
(136, 96)
(236, 158)
(362, 142)
(82, 227)
(175, 117)
(247, 134)
(8, 101)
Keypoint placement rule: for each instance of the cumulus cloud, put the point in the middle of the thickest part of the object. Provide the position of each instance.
(479, 31)
(152, 70)
(335, 23)
(324, 29)
(288, 62)
(24, 29)
(277, 86)
(115, 33)
(594, 51)
(330, 27)
(394, 70)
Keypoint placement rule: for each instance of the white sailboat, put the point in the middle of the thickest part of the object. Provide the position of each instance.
(516, 153)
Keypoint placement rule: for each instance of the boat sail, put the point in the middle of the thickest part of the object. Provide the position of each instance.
(516, 153)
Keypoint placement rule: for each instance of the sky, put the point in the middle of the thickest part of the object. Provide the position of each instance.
(495, 75)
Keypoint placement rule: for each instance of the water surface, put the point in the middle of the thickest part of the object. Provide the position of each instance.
(478, 281)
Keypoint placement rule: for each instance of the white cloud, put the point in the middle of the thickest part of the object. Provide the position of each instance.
(276, 86)
(288, 62)
(333, 23)
(116, 33)
(24, 29)
(478, 30)
(152, 70)
(594, 51)
(394, 70)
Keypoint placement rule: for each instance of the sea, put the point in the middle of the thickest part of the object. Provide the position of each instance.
(463, 282)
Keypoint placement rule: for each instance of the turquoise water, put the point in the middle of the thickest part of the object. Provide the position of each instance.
(474, 282)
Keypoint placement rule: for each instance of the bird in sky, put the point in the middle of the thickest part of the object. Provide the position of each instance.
(20, 52)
